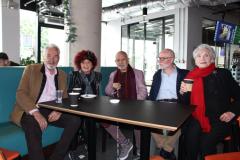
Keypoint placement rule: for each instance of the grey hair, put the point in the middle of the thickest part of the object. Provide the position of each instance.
(123, 53)
(54, 46)
(205, 46)
(168, 51)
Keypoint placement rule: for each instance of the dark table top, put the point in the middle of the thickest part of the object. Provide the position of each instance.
(155, 115)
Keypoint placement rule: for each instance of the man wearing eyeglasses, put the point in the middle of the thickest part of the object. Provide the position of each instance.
(165, 88)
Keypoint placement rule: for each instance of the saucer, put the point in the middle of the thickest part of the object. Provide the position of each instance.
(114, 101)
(88, 96)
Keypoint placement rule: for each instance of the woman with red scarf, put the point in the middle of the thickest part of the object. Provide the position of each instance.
(212, 92)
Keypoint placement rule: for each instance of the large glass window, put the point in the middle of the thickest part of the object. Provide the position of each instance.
(33, 42)
(48, 35)
(28, 34)
(143, 41)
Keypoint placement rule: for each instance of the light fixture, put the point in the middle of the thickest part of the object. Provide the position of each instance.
(12, 5)
(29, 2)
(54, 21)
(144, 11)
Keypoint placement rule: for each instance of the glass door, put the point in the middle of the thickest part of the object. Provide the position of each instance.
(153, 45)
(136, 45)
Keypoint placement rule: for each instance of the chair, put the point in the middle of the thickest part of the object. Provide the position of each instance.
(156, 158)
(232, 142)
(224, 156)
(8, 155)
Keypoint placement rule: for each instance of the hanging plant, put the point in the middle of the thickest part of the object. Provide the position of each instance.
(71, 29)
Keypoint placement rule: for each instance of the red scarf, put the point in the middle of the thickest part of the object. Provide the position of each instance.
(197, 95)
(129, 84)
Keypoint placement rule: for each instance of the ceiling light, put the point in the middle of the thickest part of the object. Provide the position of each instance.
(144, 11)
(54, 21)
(29, 2)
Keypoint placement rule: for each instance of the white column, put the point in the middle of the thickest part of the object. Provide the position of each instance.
(10, 31)
(86, 14)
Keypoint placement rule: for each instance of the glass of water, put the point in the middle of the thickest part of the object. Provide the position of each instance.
(59, 95)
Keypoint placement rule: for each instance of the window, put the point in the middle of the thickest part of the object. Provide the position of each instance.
(144, 41)
(28, 34)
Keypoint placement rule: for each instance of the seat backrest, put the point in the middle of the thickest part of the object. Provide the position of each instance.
(105, 71)
(224, 156)
(10, 78)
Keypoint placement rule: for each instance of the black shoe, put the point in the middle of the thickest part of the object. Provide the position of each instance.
(79, 154)
(167, 155)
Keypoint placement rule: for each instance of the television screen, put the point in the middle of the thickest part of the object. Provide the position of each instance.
(236, 38)
(224, 32)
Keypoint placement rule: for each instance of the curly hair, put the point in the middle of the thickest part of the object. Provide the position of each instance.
(85, 54)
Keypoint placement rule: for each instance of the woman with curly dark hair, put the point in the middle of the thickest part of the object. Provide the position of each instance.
(88, 80)
(85, 77)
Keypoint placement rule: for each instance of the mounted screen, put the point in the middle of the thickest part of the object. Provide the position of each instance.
(224, 32)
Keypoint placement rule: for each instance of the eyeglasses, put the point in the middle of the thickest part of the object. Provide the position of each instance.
(163, 58)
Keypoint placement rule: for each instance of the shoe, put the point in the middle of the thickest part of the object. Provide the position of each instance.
(79, 154)
(136, 157)
(138, 152)
(125, 149)
(167, 155)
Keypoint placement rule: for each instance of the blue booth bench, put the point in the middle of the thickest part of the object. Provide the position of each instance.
(11, 136)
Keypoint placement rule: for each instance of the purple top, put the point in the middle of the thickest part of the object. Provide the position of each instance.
(140, 85)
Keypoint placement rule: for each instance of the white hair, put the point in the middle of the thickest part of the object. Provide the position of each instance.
(54, 46)
(205, 46)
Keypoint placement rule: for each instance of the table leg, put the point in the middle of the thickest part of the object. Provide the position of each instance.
(91, 124)
(145, 143)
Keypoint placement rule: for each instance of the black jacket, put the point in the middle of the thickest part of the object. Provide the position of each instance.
(222, 93)
(76, 81)
(157, 78)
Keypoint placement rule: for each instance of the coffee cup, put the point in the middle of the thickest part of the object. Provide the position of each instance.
(189, 83)
(77, 90)
(73, 97)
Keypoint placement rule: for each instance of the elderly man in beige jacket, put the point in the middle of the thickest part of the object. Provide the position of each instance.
(39, 84)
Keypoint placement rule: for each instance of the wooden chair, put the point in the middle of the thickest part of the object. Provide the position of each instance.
(224, 156)
(8, 155)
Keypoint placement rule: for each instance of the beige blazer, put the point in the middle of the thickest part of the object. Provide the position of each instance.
(29, 90)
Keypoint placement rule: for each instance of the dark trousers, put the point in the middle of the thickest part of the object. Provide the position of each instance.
(197, 142)
(33, 134)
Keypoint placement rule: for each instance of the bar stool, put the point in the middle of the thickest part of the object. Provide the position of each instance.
(224, 156)
(9, 155)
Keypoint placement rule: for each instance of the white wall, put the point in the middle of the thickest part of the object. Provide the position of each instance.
(110, 42)
(10, 31)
